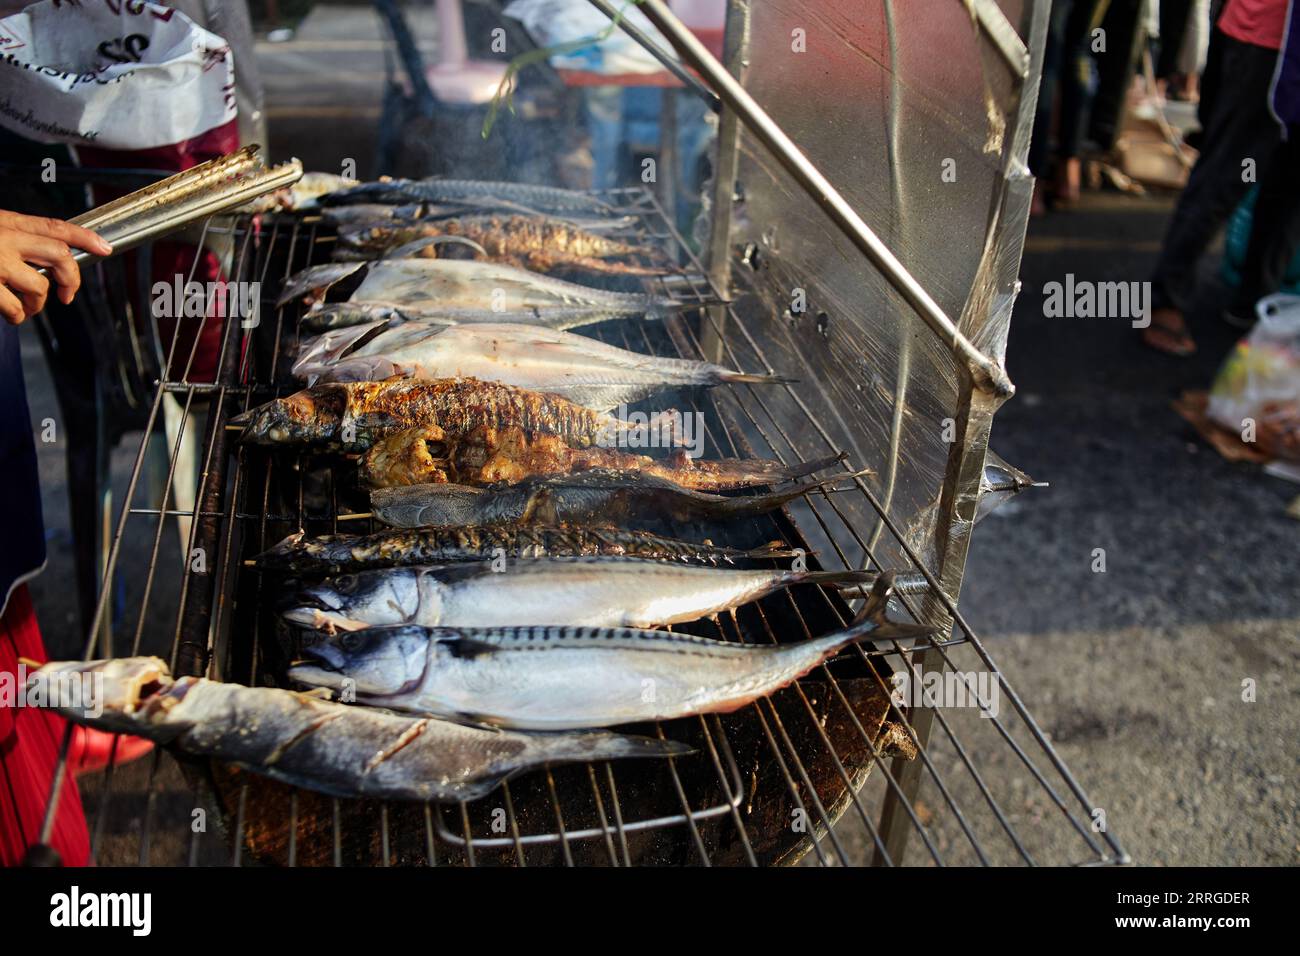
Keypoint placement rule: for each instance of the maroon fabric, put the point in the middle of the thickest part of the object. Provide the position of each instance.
(30, 739)
(174, 258)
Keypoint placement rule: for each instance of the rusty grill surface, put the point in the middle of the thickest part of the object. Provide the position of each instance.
(827, 769)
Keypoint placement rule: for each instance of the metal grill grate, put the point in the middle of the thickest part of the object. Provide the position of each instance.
(780, 778)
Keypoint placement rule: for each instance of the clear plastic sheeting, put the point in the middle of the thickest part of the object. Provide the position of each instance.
(919, 113)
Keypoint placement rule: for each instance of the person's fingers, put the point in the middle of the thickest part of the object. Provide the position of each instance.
(30, 286)
(11, 308)
(57, 257)
(76, 236)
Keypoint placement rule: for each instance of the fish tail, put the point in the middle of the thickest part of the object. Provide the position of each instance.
(758, 504)
(838, 578)
(816, 465)
(874, 623)
(602, 746)
(744, 378)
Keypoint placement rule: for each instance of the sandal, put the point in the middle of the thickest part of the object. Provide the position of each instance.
(1168, 333)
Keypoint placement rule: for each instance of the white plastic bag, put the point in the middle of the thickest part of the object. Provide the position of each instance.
(552, 22)
(115, 74)
(1257, 390)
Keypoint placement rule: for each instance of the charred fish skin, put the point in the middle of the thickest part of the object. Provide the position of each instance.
(598, 496)
(560, 678)
(530, 242)
(581, 592)
(485, 456)
(354, 415)
(332, 748)
(299, 554)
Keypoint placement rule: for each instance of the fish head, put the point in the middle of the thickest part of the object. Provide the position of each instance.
(116, 694)
(375, 662)
(312, 413)
(350, 602)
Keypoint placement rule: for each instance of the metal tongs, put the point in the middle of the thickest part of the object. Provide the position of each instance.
(173, 203)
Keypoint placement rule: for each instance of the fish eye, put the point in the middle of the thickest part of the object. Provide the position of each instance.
(345, 582)
(353, 641)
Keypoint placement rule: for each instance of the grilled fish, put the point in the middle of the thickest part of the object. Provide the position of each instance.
(340, 553)
(556, 678)
(467, 290)
(579, 368)
(600, 497)
(323, 317)
(528, 242)
(332, 748)
(592, 592)
(353, 415)
(484, 456)
(474, 194)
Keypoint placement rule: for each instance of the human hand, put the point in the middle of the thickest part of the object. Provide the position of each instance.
(29, 241)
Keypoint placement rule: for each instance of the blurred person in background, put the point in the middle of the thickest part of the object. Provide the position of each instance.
(1184, 31)
(1275, 223)
(1063, 97)
(1241, 132)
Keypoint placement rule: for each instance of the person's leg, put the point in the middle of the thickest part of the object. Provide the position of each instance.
(1238, 128)
(1075, 76)
(1275, 228)
(1114, 70)
(1173, 27)
(1039, 144)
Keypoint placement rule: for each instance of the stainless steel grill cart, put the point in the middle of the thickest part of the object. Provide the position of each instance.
(890, 301)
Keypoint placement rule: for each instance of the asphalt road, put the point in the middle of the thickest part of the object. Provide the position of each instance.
(1136, 674)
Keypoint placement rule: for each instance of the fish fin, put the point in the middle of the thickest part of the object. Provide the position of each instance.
(606, 746)
(757, 504)
(744, 378)
(816, 465)
(875, 623)
(468, 649)
(843, 579)
(772, 549)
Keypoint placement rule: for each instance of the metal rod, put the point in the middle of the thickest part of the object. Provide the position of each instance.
(987, 373)
(670, 63)
(164, 217)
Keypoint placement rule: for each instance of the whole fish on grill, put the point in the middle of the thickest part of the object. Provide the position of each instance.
(353, 415)
(579, 368)
(466, 290)
(549, 677)
(340, 553)
(474, 194)
(336, 749)
(593, 592)
(326, 316)
(599, 497)
(488, 455)
(529, 242)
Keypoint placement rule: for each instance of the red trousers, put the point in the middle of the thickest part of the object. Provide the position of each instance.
(30, 739)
